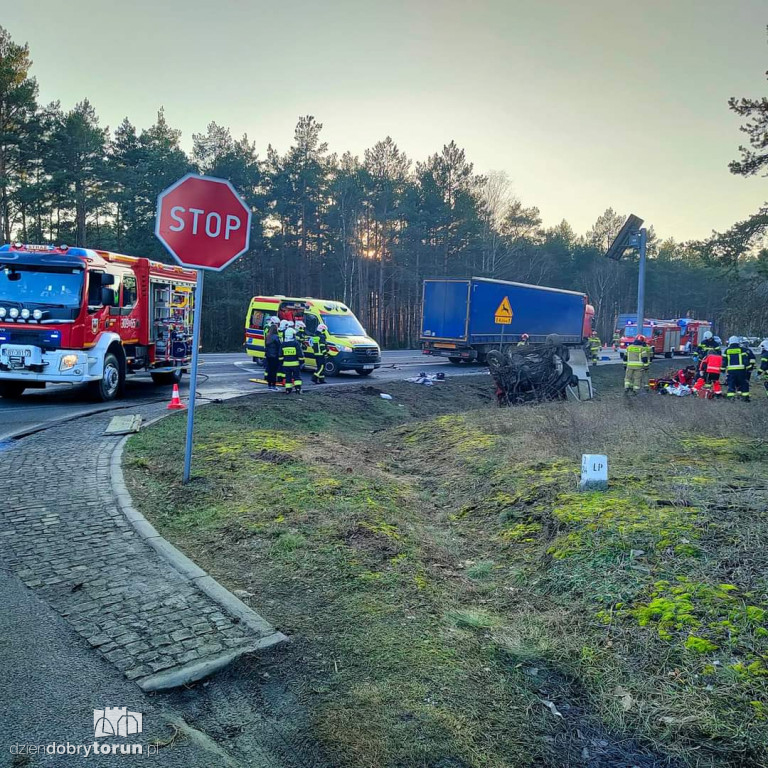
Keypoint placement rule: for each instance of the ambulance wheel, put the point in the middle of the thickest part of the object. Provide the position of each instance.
(108, 386)
(363, 372)
(167, 377)
(331, 369)
(11, 389)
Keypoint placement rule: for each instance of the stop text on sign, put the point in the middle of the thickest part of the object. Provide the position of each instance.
(202, 222)
(213, 221)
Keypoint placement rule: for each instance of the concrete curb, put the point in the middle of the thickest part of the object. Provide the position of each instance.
(267, 634)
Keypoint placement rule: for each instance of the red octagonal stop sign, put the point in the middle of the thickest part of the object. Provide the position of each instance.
(203, 222)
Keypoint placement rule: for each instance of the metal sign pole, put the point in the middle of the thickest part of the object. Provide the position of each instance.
(193, 374)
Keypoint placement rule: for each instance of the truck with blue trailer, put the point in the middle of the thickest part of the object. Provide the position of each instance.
(466, 319)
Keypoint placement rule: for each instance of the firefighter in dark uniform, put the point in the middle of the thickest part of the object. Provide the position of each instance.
(320, 352)
(739, 363)
(291, 362)
(708, 344)
(301, 334)
(762, 371)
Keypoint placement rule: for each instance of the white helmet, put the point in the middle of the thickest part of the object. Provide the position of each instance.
(764, 345)
(274, 320)
(289, 323)
(707, 335)
(322, 327)
(734, 340)
(300, 324)
(283, 325)
(289, 334)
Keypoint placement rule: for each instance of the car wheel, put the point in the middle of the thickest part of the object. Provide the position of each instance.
(363, 372)
(331, 368)
(109, 385)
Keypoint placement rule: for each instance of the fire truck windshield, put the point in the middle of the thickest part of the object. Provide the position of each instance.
(57, 292)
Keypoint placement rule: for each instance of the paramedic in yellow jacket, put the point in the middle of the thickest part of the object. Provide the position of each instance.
(290, 359)
(636, 365)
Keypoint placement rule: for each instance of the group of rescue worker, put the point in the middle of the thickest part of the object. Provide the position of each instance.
(736, 361)
(286, 344)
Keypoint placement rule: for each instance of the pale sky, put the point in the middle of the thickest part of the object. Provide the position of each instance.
(585, 104)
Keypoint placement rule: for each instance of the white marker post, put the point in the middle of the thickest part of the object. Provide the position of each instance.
(594, 472)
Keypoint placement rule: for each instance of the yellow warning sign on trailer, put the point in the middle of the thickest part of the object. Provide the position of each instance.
(503, 315)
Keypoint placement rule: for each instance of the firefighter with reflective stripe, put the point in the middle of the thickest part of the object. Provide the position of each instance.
(711, 367)
(320, 352)
(708, 344)
(616, 341)
(595, 345)
(523, 341)
(291, 362)
(762, 371)
(281, 329)
(301, 334)
(636, 365)
(739, 362)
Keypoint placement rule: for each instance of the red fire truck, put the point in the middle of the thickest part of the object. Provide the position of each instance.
(663, 337)
(692, 331)
(75, 315)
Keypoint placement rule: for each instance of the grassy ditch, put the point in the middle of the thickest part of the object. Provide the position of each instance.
(454, 601)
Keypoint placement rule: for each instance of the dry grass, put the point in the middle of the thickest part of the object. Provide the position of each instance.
(455, 602)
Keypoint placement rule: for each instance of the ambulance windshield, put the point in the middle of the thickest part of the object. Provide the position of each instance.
(343, 325)
(44, 288)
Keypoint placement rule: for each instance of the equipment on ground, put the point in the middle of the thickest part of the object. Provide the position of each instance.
(77, 315)
(350, 348)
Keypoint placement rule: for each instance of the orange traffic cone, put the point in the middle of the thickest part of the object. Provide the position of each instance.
(175, 404)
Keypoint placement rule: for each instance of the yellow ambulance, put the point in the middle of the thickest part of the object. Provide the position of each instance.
(350, 348)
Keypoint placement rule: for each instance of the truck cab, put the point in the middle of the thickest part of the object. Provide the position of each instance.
(350, 348)
(80, 316)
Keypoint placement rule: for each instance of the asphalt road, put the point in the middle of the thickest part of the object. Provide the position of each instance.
(220, 376)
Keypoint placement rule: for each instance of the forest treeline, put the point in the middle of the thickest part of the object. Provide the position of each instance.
(363, 229)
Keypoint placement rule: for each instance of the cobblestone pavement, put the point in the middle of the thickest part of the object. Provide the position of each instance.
(62, 534)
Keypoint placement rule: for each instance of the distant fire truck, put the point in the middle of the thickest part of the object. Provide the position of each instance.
(663, 337)
(75, 315)
(692, 331)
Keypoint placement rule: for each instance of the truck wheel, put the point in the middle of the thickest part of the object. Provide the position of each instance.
(111, 381)
(331, 369)
(362, 372)
(167, 377)
(454, 360)
(668, 354)
(11, 389)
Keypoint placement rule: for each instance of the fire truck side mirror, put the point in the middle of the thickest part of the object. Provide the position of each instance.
(108, 297)
(107, 279)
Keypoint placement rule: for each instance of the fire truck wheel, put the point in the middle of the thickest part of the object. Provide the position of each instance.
(667, 355)
(11, 389)
(108, 387)
(174, 377)
(455, 360)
